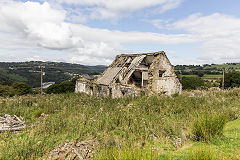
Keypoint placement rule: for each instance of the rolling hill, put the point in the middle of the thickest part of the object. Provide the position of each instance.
(29, 72)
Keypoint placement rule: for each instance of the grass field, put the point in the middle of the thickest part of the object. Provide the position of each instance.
(126, 128)
(188, 75)
(212, 76)
(205, 76)
(221, 66)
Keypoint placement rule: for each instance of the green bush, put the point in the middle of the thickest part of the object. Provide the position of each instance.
(63, 87)
(6, 91)
(36, 91)
(232, 79)
(192, 83)
(21, 88)
(53, 89)
(208, 125)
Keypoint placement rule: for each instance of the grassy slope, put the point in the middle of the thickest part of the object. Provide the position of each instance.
(55, 72)
(226, 66)
(188, 75)
(227, 147)
(141, 122)
(212, 76)
(11, 77)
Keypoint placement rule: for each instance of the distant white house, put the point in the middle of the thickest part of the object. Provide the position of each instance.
(47, 84)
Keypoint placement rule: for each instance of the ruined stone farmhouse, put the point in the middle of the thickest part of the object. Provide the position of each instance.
(134, 74)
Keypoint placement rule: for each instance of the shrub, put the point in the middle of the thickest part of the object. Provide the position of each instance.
(192, 82)
(67, 86)
(6, 91)
(208, 125)
(36, 91)
(21, 88)
(53, 89)
(63, 87)
(232, 79)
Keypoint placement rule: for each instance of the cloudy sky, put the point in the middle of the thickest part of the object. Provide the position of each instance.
(93, 32)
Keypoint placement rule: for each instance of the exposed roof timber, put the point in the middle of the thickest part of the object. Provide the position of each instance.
(135, 55)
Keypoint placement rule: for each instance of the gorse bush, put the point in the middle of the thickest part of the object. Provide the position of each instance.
(208, 125)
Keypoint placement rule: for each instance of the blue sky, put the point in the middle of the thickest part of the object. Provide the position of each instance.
(93, 32)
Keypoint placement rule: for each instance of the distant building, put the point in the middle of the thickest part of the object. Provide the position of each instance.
(87, 76)
(133, 74)
(47, 84)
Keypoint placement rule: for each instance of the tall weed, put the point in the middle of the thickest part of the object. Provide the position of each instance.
(128, 153)
(204, 154)
(208, 125)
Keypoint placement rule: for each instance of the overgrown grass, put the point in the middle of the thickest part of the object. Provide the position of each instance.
(204, 154)
(209, 125)
(128, 153)
(130, 122)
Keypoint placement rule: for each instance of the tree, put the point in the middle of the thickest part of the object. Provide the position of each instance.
(192, 82)
(21, 88)
(63, 87)
(232, 79)
(200, 74)
(6, 91)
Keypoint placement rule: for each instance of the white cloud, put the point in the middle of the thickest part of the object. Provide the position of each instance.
(33, 22)
(107, 9)
(218, 33)
(123, 5)
(29, 26)
(109, 36)
(159, 23)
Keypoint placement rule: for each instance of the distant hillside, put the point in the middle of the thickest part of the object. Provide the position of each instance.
(57, 72)
(209, 70)
(29, 72)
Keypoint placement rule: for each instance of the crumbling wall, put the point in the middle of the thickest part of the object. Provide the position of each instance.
(121, 91)
(100, 90)
(162, 78)
(83, 86)
(168, 85)
(88, 87)
(130, 75)
(116, 91)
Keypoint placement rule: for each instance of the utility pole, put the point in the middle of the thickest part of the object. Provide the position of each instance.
(223, 78)
(42, 74)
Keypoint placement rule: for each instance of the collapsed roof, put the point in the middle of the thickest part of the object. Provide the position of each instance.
(126, 64)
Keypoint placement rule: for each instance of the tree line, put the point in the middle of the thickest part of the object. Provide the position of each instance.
(232, 79)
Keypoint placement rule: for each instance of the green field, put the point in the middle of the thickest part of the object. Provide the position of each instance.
(188, 75)
(212, 76)
(221, 66)
(126, 128)
(205, 76)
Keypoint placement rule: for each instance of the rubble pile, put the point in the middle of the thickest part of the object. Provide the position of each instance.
(73, 151)
(8, 123)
